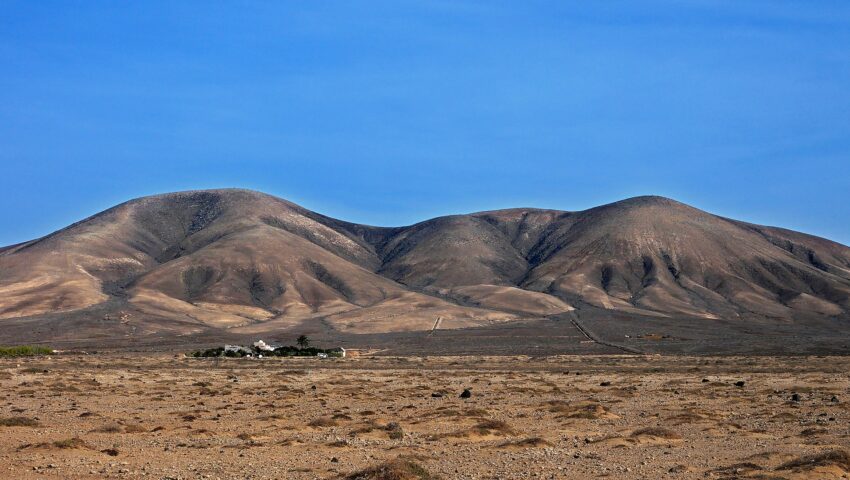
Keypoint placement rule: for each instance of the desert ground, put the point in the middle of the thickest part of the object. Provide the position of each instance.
(157, 415)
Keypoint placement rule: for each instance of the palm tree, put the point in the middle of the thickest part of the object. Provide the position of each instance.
(303, 341)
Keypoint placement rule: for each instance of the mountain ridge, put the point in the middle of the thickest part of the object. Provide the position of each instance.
(243, 260)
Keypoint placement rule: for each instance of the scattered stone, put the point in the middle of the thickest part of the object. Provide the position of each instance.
(795, 397)
(605, 384)
(739, 383)
(436, 395)
(466, 393)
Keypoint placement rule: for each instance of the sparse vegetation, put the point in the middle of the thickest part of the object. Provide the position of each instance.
(658, 432)
(323, 422)
(74, 442)
(493, 427)
(398, 469)
(531, 442)
(590, 410)
(25, 351)
(19, 422)
(109, 428)
(394, 431)
(839, 458)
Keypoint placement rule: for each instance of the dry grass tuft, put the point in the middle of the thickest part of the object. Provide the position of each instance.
(838, 458)
(118, 428)
(19, 422)
(531, 442)
(492, 427)
(658, 432)
(394, 431)
(134, 428)
(323, 422)
(109, 428)
(69, 443)
(589, 410)
(398, 469)
(475, 412)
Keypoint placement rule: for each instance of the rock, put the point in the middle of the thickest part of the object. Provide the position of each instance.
(795, 397)
(466, 393)
(436, 395)
(605, 384)
(334, 460)
(704, 380)
(834, 399)
(739, 383)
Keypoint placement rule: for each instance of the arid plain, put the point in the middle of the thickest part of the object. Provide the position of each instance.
(164, 416)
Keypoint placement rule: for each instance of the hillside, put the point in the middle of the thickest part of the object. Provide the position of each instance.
(242, 261)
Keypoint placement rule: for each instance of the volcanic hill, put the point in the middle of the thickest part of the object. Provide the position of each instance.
(249, 263)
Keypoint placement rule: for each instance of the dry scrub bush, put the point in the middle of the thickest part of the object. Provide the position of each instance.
(69, 443)
(658, 432)
(19, 422)
(398, 469)
(531, 442)
(109, 428)
(492, 427)
(589, 410)
(323, 422)
(394, 431)
(838, 458)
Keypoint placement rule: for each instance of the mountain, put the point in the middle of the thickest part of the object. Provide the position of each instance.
(242, 261)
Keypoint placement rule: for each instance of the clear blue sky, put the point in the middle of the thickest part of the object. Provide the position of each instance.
(391, 112)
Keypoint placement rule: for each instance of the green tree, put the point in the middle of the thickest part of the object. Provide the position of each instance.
(303, 341)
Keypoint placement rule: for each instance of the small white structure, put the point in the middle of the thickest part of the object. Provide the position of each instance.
(263, 346)
(237, 349)
(322, 355)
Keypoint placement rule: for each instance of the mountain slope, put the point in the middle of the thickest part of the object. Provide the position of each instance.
(250, 262)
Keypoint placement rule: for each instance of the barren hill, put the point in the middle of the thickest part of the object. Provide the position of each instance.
(246, 262)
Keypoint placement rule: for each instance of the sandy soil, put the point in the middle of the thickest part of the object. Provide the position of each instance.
(166, 416)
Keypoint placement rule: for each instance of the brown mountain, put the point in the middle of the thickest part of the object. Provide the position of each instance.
(247, 262)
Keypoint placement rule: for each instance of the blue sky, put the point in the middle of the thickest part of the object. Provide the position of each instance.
(392, 112)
